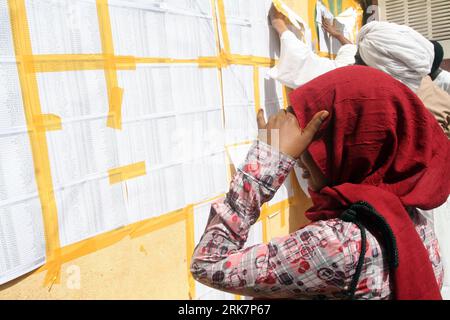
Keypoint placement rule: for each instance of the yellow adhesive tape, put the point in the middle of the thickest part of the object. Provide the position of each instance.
(283, 217)
(149, 60)
(250, 60)
(265, 234)
(29, 64)
(131, 171)
(190, 246)
(114, 92)
(290, 15)
(76, 62)
(47, 122)
(231, 168)
(150, 225)
(82, 248)
(220, 61)
(38, 139)
(216, 26)
(285, 97)
(115, 111)
(256, 91)
(223, 26)
(53, 275)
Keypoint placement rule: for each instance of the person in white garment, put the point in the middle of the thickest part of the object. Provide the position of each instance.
(398, 50)
(409, 57)
(440, 77)
(298, 64)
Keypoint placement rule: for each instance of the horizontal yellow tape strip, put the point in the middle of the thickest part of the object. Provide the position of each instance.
(135, 230)
(76, 62)
(131, 171)
(143, 60)
(225, 59)
(157, 223)
(80, 62)
(47, 122)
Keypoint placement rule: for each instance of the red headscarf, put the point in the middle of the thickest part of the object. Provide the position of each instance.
(382, 146)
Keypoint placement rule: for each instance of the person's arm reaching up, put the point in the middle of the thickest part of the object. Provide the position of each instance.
(329, 27)
(264, 270)
(277, 20)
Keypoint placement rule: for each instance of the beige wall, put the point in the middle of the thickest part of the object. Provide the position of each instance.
(153, 266)
(149, 267)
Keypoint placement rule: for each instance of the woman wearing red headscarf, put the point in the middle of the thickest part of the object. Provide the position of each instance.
(373, 155)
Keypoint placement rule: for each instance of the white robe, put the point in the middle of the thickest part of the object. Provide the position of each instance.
(298, 64)
(440, 218)
(443, 81)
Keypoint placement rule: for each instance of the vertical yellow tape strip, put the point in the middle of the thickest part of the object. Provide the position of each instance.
(312, 23)
(115, 93)
(190, 245)
(264, 230)
(223, 27)
(285, 97)
(38, 140)
(256, 89)
(283, 216)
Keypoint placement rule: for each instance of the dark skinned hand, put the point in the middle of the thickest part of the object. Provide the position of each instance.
(283, 131)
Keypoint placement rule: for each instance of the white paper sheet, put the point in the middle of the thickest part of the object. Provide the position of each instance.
(249, 30)
(172, 118)
(22, 243)
(345, 23)
(327, 43)
(63, 26)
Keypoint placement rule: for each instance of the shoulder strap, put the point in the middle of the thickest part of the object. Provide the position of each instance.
(357, 214)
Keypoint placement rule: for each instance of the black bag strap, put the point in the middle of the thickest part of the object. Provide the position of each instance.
(361, 212)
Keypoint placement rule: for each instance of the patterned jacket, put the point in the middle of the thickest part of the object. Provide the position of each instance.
(315, 262)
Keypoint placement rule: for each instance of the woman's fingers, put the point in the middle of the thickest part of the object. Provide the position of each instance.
(314, 125)
(261, 120)
(290, 138)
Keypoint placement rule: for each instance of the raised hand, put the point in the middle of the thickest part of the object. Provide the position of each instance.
(283, 131)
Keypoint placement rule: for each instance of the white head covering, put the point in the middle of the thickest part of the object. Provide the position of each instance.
(397, 50)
